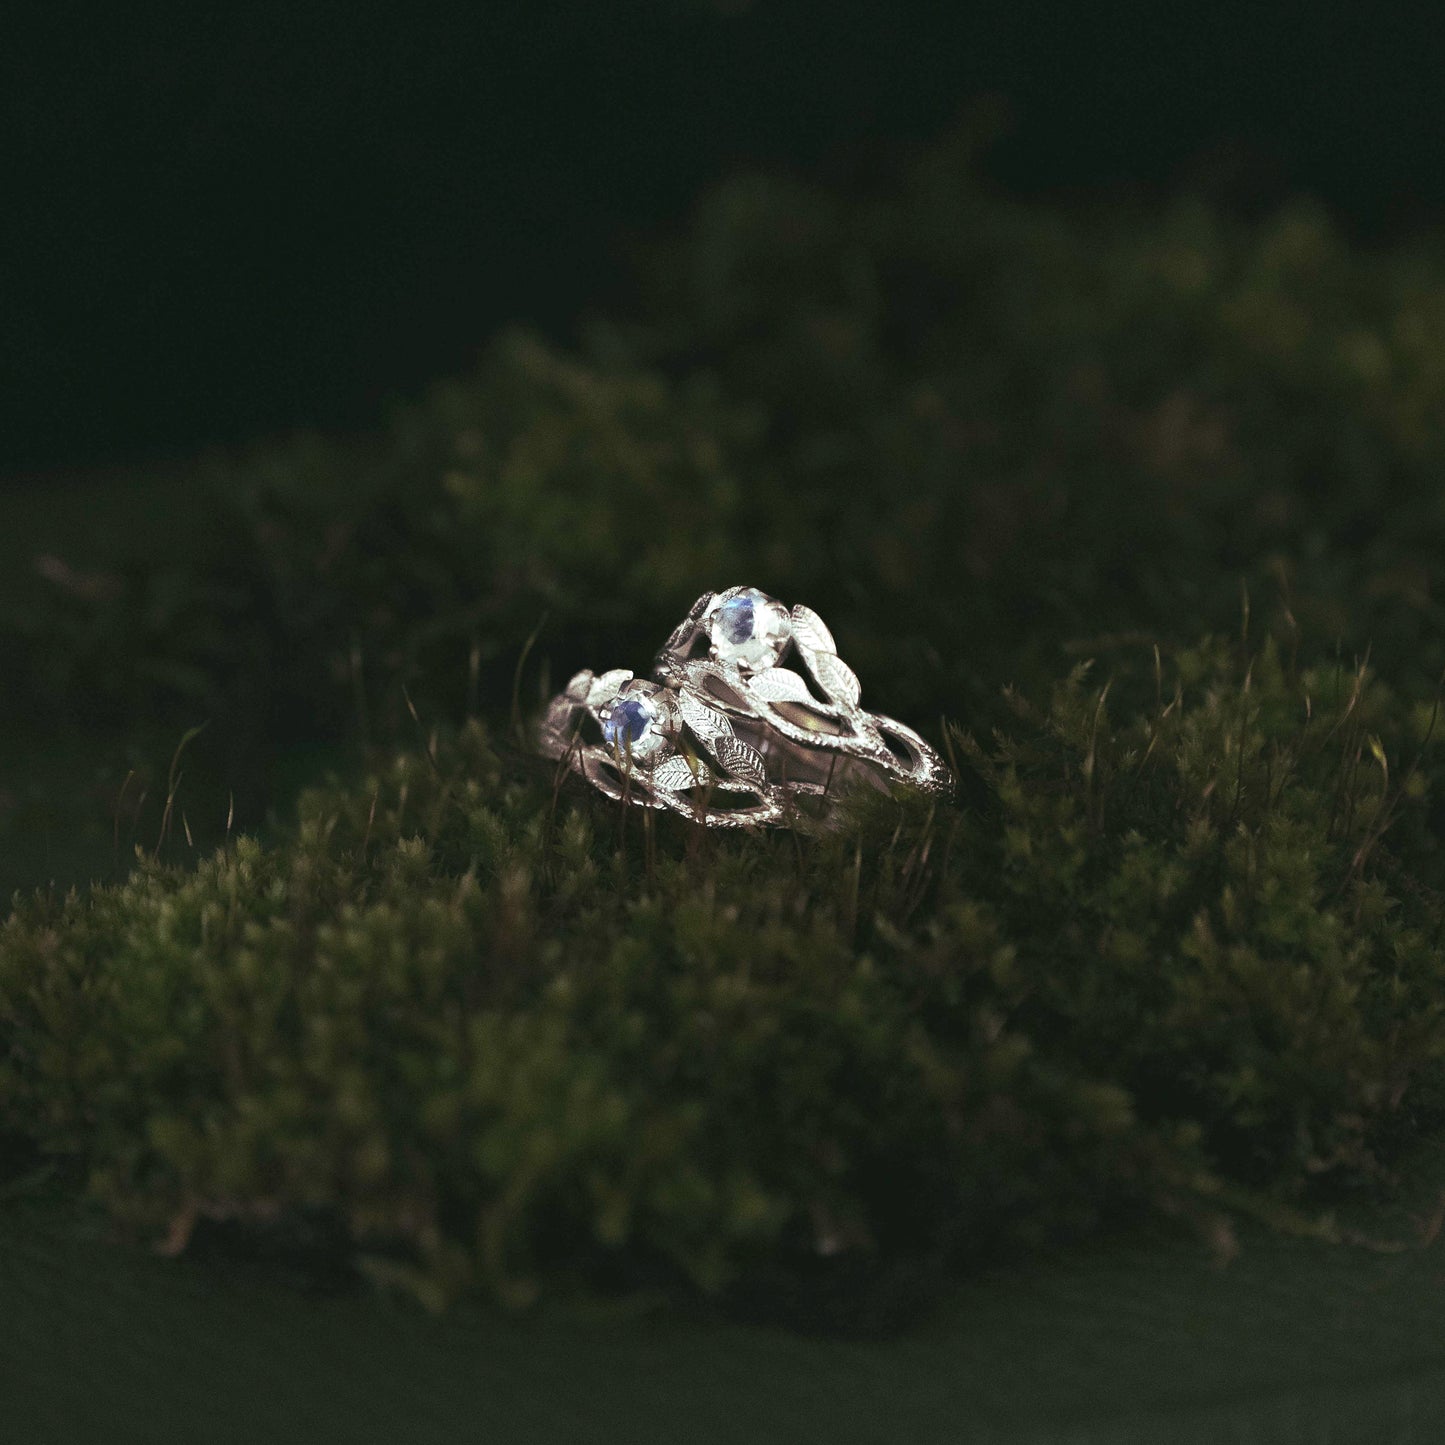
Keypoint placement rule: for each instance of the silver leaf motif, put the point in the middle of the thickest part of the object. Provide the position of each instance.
(679, 772)
(810, 630)
(838, 680)
(687, 628)
(606, 687)
(742, 762)
(779, 684)
(707, 722)
(667, 778)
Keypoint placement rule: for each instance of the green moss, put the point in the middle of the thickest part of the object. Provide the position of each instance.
(503, 1036)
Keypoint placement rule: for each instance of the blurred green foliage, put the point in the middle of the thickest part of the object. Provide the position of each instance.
(1029, 430)
(1179, 948)
(498, 1034)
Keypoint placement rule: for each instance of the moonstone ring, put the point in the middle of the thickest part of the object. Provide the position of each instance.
(730, 650)
(732, 738)
(659, 747)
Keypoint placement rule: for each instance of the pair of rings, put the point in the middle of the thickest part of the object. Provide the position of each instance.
(724, 732)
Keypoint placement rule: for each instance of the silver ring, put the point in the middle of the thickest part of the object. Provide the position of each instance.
(732, 739)
(659, 747)
(729, 650)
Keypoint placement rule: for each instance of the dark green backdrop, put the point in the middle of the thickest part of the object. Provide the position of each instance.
(228, 220)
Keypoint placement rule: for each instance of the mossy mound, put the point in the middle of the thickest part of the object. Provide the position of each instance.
(502, 1031)
(1178, 947)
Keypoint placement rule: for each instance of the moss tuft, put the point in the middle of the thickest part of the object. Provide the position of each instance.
(502, 1040)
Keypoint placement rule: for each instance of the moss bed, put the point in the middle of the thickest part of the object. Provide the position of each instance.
(1135, 511)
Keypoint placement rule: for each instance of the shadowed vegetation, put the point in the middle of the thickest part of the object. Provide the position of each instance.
(1126, 498)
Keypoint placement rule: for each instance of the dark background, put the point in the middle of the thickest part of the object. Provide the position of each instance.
(222, 222)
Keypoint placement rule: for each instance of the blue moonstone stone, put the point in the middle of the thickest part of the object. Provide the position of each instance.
(628, 721)
(748, 628)
(735, 620)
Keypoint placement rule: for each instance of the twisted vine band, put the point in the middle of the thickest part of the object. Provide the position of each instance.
(727, 735)
(729, 649)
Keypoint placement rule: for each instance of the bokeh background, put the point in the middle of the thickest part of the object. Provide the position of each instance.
(238, 242)
(343, 347)
(222, 222)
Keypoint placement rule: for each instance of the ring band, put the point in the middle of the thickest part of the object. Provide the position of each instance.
(639, 742)
(746, 635)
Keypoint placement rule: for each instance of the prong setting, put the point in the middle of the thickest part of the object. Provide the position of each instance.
(636, 721)
(747, 628)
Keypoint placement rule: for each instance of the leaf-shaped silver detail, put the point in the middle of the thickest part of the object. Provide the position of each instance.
(560, 712)
(837, 679)
(606, 687)
(680, 772)
(810, 630)
(707, 722)
(685, 630)
(578, 687)
(743, 762)
(779, 684)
